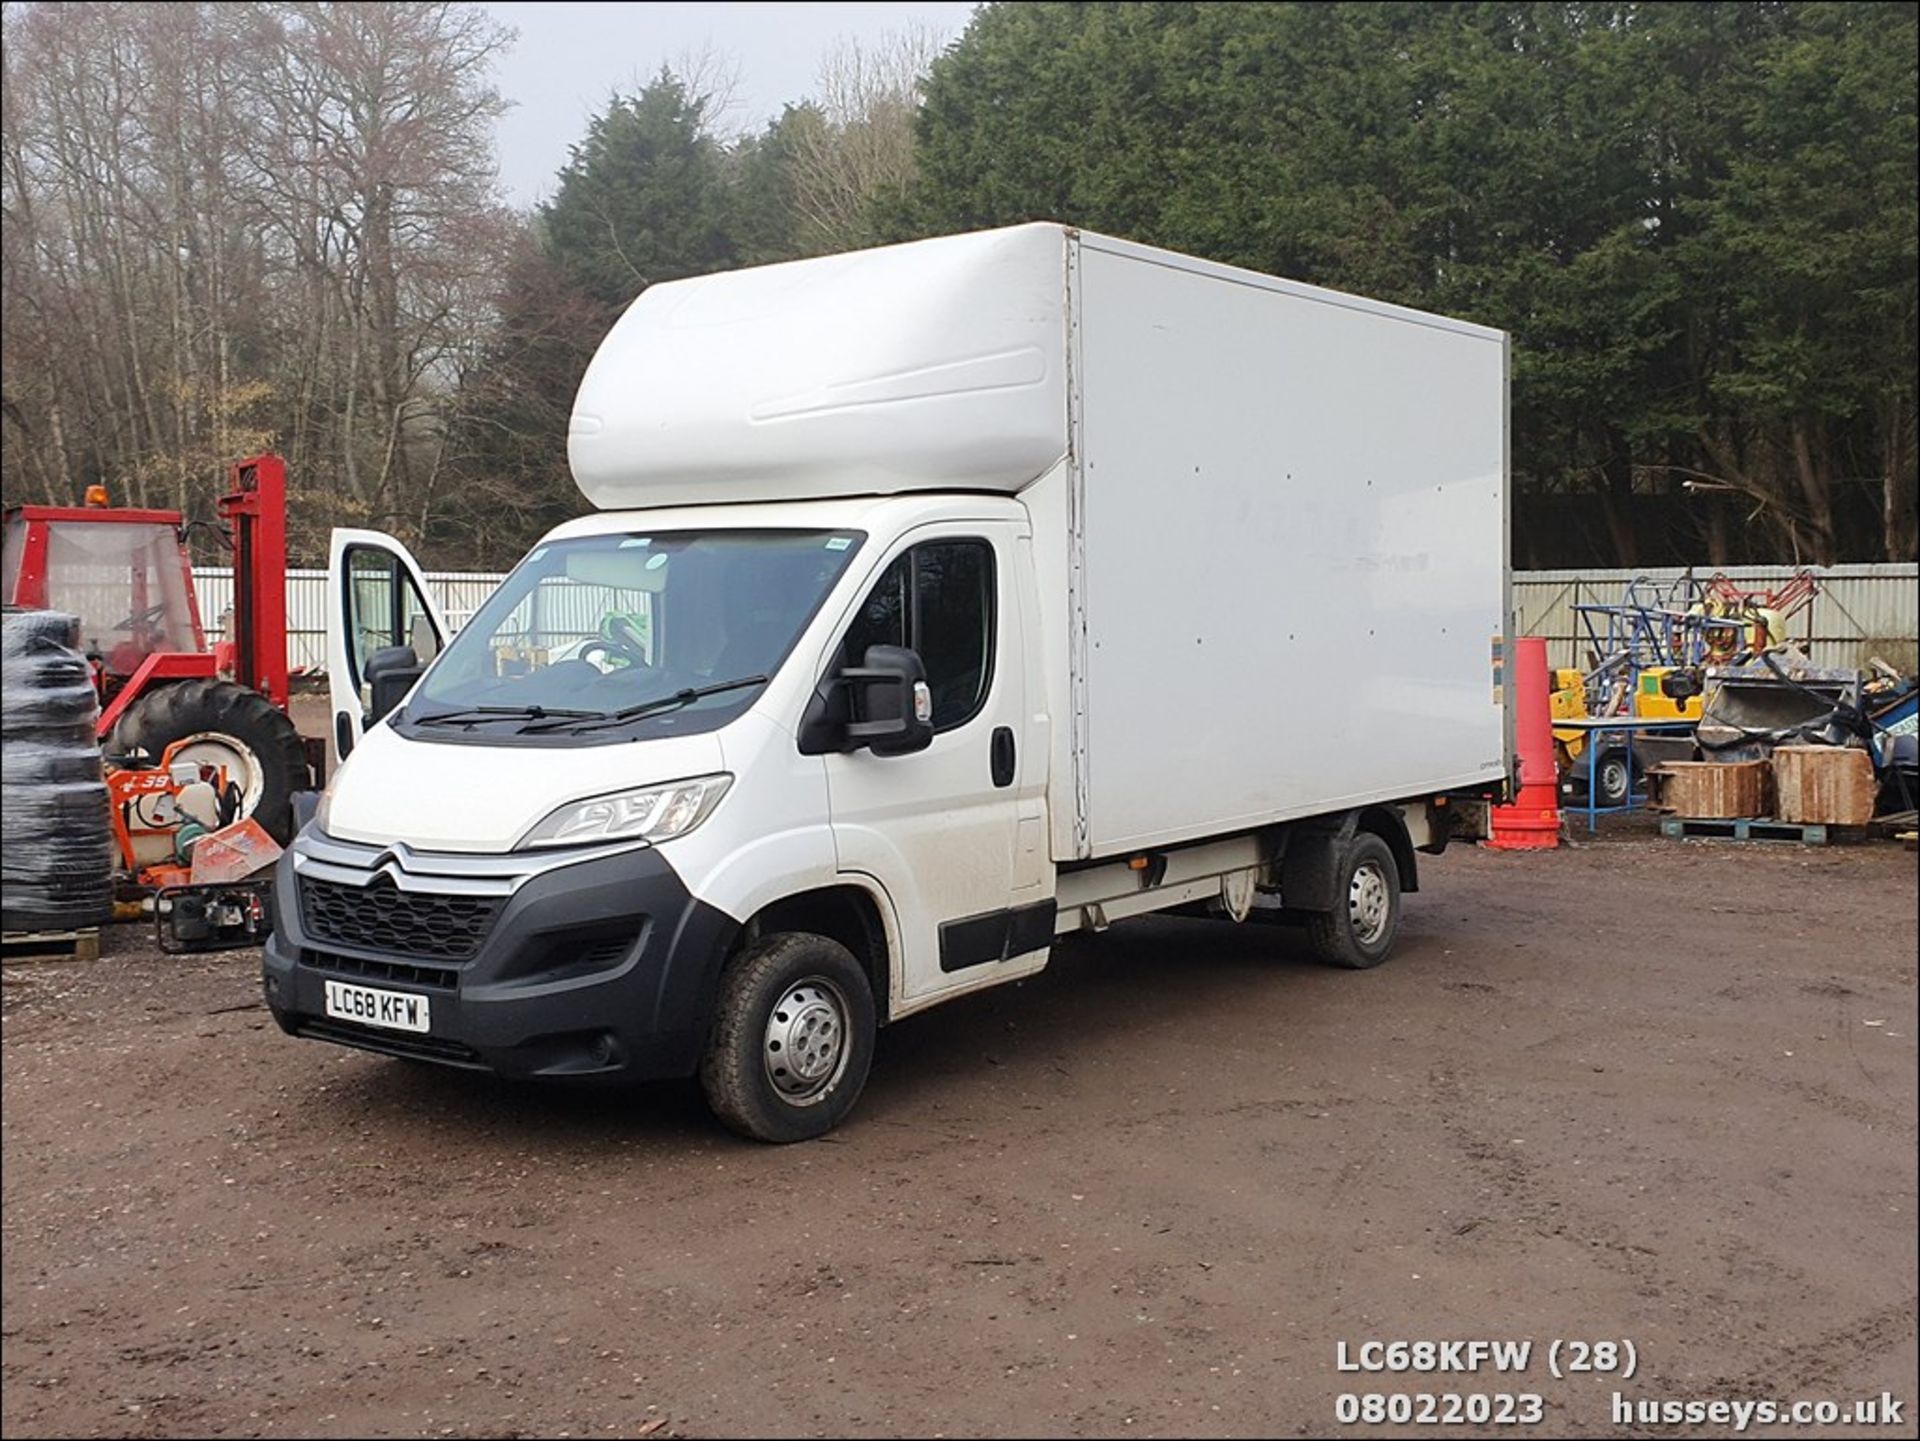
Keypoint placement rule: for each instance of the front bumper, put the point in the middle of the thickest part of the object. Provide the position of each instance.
(587, 965)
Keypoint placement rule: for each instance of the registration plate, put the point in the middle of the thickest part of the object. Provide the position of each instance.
(396, 1010)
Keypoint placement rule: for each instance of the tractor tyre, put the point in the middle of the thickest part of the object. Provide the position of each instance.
(225, 724)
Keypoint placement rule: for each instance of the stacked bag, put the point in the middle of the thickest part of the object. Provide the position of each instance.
(56, 839)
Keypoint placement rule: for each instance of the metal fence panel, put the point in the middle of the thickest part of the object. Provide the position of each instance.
(1859, 612)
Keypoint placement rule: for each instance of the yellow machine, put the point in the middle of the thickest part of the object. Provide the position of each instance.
(1568, 701)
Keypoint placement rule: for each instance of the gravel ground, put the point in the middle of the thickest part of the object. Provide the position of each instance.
(1639, 1089)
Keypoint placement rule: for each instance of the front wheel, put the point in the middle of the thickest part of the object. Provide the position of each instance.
(792, 1038)
(1357, 934)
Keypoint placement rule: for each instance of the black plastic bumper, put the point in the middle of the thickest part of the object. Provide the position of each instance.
(601, 969)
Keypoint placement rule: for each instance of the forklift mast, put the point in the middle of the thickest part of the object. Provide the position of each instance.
(255, 513)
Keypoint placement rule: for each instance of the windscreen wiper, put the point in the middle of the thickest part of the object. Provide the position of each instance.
(473, 715)
(574, 722)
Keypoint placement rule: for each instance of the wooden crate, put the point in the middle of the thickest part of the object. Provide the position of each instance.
(1823, 785)
(1711, 790)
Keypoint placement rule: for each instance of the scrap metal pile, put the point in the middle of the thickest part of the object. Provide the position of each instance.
(1719, 656)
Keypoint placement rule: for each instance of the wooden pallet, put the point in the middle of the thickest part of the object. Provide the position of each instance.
(1682, 828)
(50, 945)
(1896, 826)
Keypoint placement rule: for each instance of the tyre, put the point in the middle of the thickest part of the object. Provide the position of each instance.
(1612, 778)
(51, 707)
(1358, 933)
(55, 807)
(229, 725)
(25, 631)
(792, 1038)
(28, 764)
(56, 856)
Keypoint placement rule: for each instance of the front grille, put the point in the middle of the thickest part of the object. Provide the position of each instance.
(406, 973)
(392, 1043)
(382, 917)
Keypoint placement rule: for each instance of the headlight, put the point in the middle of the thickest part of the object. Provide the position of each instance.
(657, 813)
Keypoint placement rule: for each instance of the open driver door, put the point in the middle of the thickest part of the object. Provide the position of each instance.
(381, 621)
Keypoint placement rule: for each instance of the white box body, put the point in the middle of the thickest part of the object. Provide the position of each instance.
(1270, 528)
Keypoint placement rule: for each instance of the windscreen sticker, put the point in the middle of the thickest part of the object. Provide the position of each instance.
(840, 542)
(654, 562)
(636, 542)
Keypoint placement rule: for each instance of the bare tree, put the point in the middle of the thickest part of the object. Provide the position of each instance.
(229, 226)
(381, 154)
(712, 80)
(854, 144)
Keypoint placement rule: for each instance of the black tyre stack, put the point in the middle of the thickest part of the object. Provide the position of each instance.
(56, 841)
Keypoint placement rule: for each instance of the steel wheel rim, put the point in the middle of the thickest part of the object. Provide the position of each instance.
(806, 1045)
(1369, 902)
(1613, 777)
(217, 748)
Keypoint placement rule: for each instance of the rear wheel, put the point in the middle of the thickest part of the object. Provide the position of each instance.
(792, 1038)
(226, 725)
(1358, 933)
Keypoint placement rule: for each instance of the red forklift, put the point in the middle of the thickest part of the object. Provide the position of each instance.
(175, 711)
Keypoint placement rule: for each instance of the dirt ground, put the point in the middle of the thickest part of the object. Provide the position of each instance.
(1638, 1090)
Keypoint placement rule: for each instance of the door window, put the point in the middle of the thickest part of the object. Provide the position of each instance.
(936, 599)
(384, 608)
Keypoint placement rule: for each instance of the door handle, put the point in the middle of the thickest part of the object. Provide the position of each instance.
(1002, 752)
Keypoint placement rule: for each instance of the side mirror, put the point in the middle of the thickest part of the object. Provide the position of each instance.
(391, 672)
(891, 699)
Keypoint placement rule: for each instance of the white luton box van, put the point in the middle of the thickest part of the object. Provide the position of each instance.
(937, 601)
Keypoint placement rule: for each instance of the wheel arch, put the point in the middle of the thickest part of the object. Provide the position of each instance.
(1309, 862)
(1388, 824)
(848, 913)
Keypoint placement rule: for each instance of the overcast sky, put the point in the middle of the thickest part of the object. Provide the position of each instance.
(570, 57)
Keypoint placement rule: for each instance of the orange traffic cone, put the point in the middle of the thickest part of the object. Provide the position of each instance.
(1532, 822)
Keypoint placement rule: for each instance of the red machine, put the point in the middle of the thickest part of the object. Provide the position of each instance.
(1765, 612)
(171, 706)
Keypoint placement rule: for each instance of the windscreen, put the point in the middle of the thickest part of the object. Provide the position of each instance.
(589, 631)
(128, 586)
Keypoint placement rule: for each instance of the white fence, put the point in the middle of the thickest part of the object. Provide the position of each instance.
(1860, 611)
(459, 595)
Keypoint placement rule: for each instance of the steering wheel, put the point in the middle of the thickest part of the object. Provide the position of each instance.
(140, 618)
(619, 640)
(612, 652)
(626, 637)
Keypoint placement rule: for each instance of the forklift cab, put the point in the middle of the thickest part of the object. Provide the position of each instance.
(124, 573)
